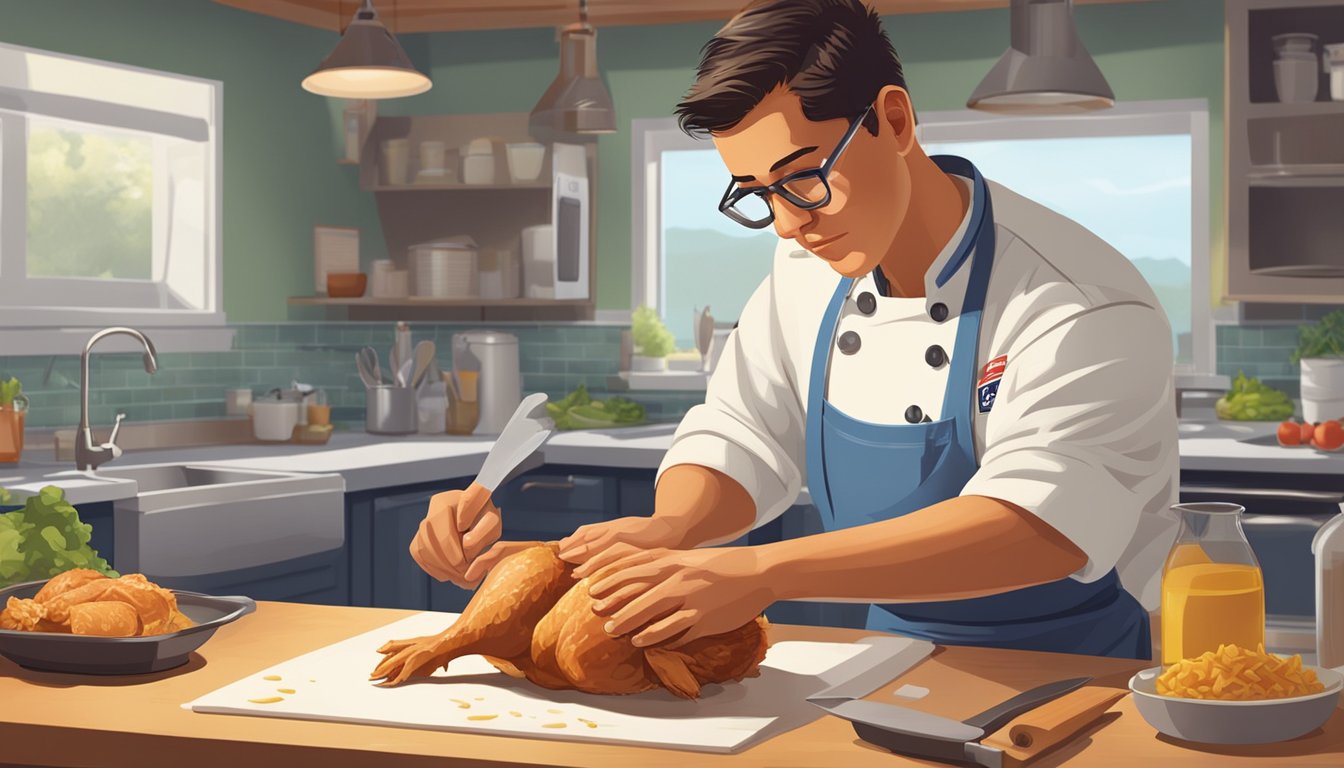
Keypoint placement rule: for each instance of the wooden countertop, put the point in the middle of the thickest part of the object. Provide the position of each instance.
(71, 720)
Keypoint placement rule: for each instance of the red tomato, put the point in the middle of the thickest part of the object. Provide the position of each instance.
(1330, 435)
(1290, 433)
(1308, 433)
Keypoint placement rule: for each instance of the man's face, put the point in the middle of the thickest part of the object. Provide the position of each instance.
(869, 183)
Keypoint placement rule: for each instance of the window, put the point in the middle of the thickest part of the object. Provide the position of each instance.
(109, 194)
(694, 256)
(1135, 175)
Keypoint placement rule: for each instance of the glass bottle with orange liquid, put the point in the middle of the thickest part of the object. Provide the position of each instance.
(1212, 590)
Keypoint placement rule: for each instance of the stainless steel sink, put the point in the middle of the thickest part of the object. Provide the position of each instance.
(194, 519)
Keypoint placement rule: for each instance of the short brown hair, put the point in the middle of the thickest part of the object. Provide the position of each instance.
(833, 53)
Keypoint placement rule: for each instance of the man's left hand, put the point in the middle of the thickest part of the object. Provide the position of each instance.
(680, 595)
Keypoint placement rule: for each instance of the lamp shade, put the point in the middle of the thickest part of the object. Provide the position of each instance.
(576, 101)
(368, 63)
(1046, 69)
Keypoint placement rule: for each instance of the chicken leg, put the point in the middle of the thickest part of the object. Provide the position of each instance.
(531, 619)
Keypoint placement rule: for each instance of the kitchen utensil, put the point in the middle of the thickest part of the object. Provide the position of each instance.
(445, 269)
(335, 249)
(1294, 42)
(1333, 62)
(87, 654)
(401, 339)
(703, 323)
(1213, 592)
(493, 356)
(1327, 547)
(274, 420)
(395, 157)
(432, 408)
(525, 160)
(346, 285)
(237, 401)
(390, 410)
(726, 720)
(911, 732)
(405, 372)
(539, 261)
(1296, 79)
(394, 360)
(423, 358)
(367, 362)
(526, 430)
(478, 162)
(1214, 721)
(463, 412)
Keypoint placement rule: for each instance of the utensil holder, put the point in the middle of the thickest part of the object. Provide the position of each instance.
(390, 410)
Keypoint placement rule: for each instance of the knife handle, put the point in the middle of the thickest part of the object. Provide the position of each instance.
(1032, 733)
(993, 718)
(470, 505)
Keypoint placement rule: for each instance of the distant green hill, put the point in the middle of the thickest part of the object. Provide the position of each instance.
(706, 267)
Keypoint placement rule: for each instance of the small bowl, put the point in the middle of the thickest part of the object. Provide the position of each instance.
(1236, 722)
(346, 285)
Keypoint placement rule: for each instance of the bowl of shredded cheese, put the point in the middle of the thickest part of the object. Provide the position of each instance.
(1237, 696)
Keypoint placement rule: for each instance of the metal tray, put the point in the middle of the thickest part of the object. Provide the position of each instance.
(91, 655)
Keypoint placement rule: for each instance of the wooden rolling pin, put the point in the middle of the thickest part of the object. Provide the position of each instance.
(1032, 733)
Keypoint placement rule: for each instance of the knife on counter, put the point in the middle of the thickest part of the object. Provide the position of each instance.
(527, 429)
(919, 734)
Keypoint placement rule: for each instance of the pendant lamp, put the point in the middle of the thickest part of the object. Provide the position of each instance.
(577, 101)
(1046, 69)
(368, 63)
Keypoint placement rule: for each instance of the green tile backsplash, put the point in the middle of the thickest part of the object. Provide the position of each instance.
(554, 360)
(1262, 351)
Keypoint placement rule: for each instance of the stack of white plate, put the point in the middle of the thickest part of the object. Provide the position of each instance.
(445, 269)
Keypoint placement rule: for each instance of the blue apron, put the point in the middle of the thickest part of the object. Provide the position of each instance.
(860, 472)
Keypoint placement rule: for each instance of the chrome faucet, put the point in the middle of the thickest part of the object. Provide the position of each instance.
(87, 455)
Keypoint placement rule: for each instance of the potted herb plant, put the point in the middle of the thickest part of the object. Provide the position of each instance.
(13, 408)
(1320, 353)
(653, 341)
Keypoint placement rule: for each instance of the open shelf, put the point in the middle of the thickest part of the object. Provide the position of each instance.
(1303, 109)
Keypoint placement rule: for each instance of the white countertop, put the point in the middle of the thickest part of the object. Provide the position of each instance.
(382, 461)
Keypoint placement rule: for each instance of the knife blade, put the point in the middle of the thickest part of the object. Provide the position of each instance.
(919, 734)
(871, 669)
(527, 429)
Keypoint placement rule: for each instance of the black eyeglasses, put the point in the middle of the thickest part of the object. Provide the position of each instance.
(807, 189)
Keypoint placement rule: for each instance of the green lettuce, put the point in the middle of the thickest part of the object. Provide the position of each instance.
(45, 538)
(578, 410)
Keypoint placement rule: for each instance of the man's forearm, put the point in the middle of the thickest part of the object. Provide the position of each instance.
(967, 546)
(702, 505)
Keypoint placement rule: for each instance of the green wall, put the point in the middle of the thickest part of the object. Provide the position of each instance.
(280, 142)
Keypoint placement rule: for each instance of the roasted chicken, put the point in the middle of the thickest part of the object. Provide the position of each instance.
(82, 601)
(532, 619)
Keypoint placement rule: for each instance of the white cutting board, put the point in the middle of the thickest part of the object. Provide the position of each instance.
(332, 683)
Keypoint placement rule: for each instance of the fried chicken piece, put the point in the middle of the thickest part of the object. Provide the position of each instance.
(53, 609)
(531, 619)
(65, 581)
(106, 618)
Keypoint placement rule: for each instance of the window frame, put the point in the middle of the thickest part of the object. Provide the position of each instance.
(36, 323)
(1138, 118)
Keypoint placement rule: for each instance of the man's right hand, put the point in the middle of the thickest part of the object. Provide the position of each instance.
(456, 530)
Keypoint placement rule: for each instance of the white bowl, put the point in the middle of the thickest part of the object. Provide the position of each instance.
(1235, 722)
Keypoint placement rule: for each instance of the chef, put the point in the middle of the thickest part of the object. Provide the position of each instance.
(976, 390)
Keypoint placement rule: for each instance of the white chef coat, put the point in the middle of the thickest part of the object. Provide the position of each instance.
(1082, 432)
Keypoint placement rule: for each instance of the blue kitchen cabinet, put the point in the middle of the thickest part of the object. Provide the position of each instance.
(545, 504)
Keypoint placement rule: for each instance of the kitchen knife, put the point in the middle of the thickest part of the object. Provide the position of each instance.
(527, 429)
(919, 734)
